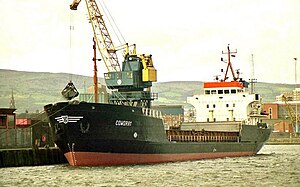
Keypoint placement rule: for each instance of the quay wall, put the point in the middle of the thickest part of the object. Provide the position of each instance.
(31, 157)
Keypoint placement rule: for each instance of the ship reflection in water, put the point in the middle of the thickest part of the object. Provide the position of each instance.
(275, 165)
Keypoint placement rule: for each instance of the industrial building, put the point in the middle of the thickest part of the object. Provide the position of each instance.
(284, 112)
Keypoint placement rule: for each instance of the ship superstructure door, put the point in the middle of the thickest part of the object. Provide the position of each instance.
(211, 116)
(230, 115)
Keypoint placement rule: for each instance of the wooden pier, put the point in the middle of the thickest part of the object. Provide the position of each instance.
(31, 157)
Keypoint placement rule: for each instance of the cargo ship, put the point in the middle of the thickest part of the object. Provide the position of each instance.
(92, 134)
(127, 130)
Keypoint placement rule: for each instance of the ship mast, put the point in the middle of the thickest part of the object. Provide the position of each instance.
(252, 79)
(96, 95)
(229, 64)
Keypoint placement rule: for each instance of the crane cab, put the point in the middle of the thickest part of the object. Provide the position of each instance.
(137, 73)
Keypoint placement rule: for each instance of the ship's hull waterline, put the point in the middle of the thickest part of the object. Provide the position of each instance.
(111, 159)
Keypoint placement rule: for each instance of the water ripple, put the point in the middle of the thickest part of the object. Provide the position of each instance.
(273, 166)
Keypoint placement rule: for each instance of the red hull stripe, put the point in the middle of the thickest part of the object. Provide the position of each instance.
(107, 159)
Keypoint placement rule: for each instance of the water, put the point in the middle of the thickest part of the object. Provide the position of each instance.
(275, 165)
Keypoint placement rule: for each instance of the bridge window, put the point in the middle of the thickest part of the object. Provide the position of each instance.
(226, 91)
(207, 92)
(220, 91)
(233, 91)
(213, 92)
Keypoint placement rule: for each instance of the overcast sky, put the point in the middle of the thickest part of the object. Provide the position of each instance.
(186, 38)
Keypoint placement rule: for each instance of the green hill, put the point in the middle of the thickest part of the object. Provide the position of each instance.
(33, 90)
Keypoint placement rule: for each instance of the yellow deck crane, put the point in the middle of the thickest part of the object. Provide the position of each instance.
(133, 80)
(291, 112)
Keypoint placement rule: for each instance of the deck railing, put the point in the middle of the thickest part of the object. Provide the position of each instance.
(152, 113)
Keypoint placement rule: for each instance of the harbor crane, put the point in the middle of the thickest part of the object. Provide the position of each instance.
(131, 80)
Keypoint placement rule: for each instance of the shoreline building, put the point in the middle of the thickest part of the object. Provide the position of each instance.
(286, 110)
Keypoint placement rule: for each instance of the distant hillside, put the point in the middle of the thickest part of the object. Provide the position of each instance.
(33, 90)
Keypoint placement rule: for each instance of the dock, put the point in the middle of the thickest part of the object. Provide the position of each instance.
(31, 157)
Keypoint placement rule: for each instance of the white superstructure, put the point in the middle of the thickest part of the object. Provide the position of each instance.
(226, 101)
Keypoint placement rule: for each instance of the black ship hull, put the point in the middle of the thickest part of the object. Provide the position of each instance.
(91, 134)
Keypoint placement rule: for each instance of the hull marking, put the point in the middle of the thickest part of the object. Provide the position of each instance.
(68, 119)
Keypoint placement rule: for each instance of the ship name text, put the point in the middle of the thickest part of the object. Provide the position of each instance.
(123, 123)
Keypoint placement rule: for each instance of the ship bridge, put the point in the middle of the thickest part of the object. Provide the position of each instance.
(224, 101)
(223, 87)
